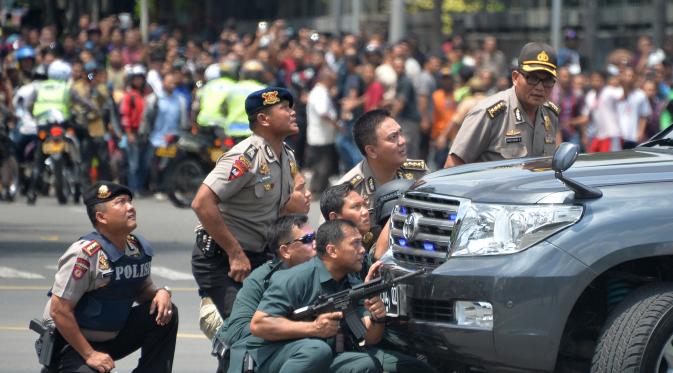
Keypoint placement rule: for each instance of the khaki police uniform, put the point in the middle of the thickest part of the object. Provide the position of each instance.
(363, 181)
(252, 184)
(498, 128)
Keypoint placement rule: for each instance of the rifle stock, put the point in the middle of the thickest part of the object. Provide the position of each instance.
(345, 301)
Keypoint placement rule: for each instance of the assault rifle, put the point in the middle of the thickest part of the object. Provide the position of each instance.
(346, 300)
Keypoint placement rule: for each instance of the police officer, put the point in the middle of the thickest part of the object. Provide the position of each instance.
(236, 125)
(515, 123)
(211, 98)
(98, 279)
(280, 344)
(293, 241)
(242, 196)
(380, 140)
(341, 201)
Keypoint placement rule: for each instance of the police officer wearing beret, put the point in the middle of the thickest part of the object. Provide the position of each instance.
(98, 279)
(515, 123)
(242, 196)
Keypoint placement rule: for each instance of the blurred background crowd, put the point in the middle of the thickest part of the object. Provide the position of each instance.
(135, 96)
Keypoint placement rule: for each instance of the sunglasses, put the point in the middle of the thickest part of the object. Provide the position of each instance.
(534, 80)
(307, 238)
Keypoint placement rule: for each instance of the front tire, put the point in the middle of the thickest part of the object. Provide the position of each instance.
(184, 181)
(638, 335)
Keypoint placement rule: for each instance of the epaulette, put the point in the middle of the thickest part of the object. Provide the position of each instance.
(91, 248)
(414, 164)
(552, 106)
(496, 109)
(356, 180)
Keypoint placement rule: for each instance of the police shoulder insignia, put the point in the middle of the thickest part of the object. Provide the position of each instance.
(250, 152)
(269, 152)
(371, 185)
(91, 248)
(356, 180)
(78, 271)
(367, 237)
(496, 109)
(103, 263)
(293, 168)
(552, 106)
(238, 169)
(414, 164)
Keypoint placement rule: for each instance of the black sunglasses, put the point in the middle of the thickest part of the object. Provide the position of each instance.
(534, 80)
(307, 238)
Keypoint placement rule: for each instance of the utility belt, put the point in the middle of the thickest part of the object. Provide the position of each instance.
(210, 249)
(45, 345)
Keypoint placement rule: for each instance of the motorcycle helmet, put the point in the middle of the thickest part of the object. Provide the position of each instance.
(25, 52)
(135, 70)
(59, 70)
(252, 69)
(212, 72)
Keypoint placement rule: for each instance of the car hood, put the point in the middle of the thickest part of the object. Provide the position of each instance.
(529, 180)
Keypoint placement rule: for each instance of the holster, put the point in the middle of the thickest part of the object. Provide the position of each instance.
(206, 244)
(46, 343)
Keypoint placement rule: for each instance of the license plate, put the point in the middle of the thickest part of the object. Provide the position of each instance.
(391, 299)
(53, 147)
(166, 151)
(215, 154)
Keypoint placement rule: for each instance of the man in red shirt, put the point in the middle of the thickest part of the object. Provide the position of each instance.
(131, 110)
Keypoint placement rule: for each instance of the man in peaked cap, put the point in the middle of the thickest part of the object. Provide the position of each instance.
(514, 123)
(242, 196)
(98, 279)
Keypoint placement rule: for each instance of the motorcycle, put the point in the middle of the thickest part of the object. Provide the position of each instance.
(56, 159)
(9, 166)
(197, 152)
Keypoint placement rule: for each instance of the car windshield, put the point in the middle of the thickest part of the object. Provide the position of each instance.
(663, 138)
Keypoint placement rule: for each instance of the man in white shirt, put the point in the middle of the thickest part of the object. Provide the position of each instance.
(321, 131)
(600, 109)
(632, 110)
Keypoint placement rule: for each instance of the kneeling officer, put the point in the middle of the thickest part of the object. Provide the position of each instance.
(98, 279)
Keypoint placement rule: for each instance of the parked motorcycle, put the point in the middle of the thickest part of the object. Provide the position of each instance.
(196, 154)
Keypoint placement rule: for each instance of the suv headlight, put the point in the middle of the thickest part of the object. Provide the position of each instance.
(491, 229)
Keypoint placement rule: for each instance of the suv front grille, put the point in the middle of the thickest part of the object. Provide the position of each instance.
(429, 221)
(431, 310)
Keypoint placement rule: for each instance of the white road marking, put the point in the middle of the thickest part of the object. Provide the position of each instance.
(51, 267)
(6, 272)
(170, 273)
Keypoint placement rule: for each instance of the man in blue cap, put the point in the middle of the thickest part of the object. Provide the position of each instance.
(98, 279)
(242, 196)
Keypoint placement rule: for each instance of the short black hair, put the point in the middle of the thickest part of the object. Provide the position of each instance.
(333, 198)
(331, 232)
(281, 230)
(91, 212)
(252, 118)
(364, 129)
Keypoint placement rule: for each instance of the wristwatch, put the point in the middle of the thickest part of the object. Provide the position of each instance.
(170, 293)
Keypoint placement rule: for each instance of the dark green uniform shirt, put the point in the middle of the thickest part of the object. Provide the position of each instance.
(237, 326)
(294, 288)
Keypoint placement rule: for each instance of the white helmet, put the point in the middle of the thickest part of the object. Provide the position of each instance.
(137, 69)
(212, 72)
(59, 70)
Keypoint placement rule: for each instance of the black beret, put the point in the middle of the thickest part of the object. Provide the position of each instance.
(266, 97)
(104, 191)
(538, 57)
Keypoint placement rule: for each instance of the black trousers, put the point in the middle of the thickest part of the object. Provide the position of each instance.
(324, 163)
(156, 344)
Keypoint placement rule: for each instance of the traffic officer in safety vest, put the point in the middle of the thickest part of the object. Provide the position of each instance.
(98, 280)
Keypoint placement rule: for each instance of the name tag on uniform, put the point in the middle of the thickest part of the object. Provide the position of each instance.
(513, 139)
(265, 179)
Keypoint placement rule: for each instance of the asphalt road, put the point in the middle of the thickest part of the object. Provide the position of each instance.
(33, 237)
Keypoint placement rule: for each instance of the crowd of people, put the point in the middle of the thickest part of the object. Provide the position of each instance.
(134, 96)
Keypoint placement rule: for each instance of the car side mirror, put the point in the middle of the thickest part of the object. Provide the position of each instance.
(564, 157)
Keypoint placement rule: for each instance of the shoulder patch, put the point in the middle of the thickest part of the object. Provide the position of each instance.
(356, 180)
(414, 164)
(552, 106)
(250, 153)
(91, 248)
(495, 109)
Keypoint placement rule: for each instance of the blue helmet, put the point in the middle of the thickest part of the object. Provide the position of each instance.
(25, 52)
